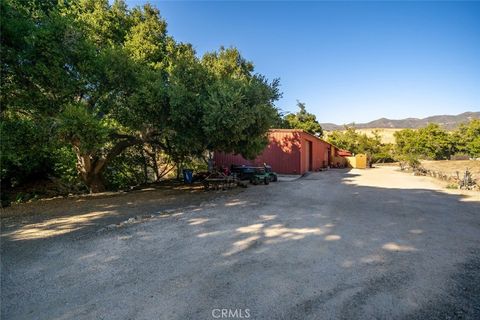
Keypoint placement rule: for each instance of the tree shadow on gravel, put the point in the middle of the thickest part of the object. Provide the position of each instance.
(379, 244)
(325, 246)
(78, 217)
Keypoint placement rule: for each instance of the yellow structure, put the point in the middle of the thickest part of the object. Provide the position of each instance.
(358, 161)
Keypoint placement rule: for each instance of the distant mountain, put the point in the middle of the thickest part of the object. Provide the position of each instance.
(448, 122)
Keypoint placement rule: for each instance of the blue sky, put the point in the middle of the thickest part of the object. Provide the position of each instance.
(348, 61)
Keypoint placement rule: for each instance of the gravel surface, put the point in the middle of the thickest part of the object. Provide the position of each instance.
(341, 244)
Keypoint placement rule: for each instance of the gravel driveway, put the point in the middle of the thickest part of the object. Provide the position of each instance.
(340, 244)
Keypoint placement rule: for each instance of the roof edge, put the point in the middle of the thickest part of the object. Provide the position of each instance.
(298, 130)
(301, 130)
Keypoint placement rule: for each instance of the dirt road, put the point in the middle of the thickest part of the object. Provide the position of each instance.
(334, 245)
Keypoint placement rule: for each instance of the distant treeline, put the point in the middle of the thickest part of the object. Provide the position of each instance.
(431, 142)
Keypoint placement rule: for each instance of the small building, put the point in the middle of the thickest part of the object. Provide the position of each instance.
(290, 151)
(358, 161)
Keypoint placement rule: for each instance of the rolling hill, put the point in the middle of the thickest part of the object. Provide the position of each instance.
(448, 122)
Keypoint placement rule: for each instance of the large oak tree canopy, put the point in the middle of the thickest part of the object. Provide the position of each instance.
(103, 78)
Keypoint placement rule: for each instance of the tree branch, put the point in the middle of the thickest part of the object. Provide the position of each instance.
(118, 148)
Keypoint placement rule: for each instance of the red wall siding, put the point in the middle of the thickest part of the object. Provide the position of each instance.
(282, 153)
(319, 153)
(286, 153)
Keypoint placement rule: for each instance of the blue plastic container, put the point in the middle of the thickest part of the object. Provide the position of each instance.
(187, 175)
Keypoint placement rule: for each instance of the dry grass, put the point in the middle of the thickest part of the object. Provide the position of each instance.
(385, 133)
(450, 167)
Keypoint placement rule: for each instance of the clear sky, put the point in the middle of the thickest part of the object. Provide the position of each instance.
(348, 61)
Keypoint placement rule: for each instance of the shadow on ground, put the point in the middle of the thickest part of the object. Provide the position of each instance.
(79, 216)
(324, 246)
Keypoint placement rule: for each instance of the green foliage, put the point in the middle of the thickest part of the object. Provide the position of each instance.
(228, 63)
(217, 104)
(408, 161)
(357, 142)
(431, 142)
(303, 120)
(87, 131)
(25, 148)
(467, 138)
(347, 140)
(238, 115)
(64, 165)
(88, 85)
(104, 25)
(126, 170)
(30, 151)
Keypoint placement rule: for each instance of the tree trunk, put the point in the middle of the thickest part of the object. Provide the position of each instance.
(90, 174)
(145, 167)
(179, 170)
(91, 167)
(95, 183)
(156, 169)
(210, 164)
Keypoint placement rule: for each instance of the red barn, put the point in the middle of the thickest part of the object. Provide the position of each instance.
(290, 151)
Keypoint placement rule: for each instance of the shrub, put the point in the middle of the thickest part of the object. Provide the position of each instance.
(409, 162)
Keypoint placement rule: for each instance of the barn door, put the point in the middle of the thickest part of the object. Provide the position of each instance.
(308, 156)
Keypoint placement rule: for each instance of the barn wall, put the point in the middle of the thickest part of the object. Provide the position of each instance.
(286, 153)
(282, 153)
(320, 152)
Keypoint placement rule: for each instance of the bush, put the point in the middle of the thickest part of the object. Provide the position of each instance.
(64, 165)
(127, 170)
(26, 149)
(409, 162)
